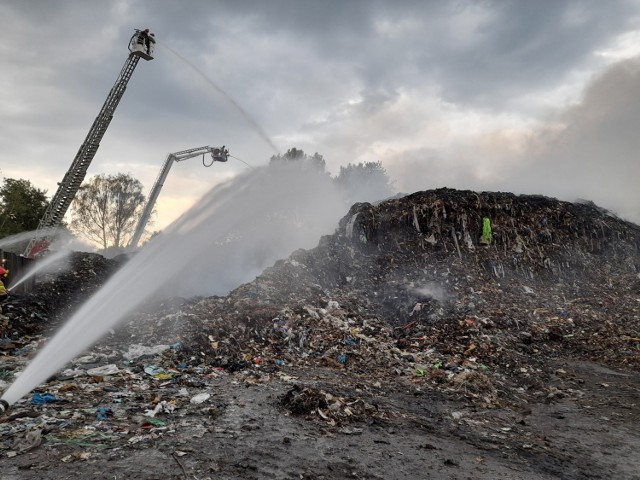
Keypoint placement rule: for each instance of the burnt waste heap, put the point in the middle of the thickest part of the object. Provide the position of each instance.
(549, 278)
(424, 272)
(444, 313)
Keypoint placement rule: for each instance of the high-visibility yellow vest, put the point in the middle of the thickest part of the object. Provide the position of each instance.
(487, 235)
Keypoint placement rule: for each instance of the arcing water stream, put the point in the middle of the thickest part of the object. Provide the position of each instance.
(246, 208)
(40, 265)
(259, 130)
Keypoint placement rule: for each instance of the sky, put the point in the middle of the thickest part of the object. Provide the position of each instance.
(525, 96)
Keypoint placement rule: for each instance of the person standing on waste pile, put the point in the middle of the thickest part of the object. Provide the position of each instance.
(3, 291)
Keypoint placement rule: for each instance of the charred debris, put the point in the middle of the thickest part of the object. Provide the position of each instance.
(443, 285)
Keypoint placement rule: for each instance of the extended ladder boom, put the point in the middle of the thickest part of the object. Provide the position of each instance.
(72, 180)
(218, 154)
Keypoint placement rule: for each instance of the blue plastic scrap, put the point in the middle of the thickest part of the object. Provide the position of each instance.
(42, 398)
(104, 413)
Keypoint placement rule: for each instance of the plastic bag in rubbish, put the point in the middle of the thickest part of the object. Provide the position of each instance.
(41, 399)
(200, 398)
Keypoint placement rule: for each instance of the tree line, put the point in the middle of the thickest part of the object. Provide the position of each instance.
(106, 208)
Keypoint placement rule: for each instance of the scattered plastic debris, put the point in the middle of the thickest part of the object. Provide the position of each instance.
(42, 398)
(547, 280)
(200, 398)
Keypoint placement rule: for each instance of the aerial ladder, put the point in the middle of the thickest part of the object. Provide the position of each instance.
(218, 154)
(141, 45)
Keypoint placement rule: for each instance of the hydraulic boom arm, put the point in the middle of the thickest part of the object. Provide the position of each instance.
(218, 154)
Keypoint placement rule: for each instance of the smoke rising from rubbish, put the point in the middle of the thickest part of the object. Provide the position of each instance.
(431, 290)
(592, 153)
(585, 151)
(588, 151)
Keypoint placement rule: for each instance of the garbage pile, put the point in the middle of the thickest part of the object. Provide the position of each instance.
(419, 287)
(411, 286)
(61, 288)
(473, 295)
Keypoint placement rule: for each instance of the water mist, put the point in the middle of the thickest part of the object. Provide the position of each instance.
(26, 236)
(303, 199)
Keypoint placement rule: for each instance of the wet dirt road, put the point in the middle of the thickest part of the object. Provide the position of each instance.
(246, 430)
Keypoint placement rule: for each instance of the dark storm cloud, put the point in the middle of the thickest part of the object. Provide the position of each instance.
(529, 46)
(476, 51)
(479, 52)
(483, 52)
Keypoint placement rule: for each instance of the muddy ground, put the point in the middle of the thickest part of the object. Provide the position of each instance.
(246, 430)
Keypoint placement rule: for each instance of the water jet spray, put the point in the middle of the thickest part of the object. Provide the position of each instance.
(263, 207)
(41, 264)
(254, 124)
